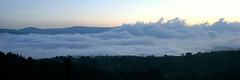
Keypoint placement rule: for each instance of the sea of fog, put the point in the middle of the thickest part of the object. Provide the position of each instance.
(172, 37)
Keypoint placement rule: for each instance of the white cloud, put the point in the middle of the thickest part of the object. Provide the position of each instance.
(173, 37)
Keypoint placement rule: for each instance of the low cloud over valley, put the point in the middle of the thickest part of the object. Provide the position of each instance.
(172, 37)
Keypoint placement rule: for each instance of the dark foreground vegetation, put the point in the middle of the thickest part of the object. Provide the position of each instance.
(219, 65)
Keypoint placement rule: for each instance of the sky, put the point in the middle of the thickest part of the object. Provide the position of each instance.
(16, 14)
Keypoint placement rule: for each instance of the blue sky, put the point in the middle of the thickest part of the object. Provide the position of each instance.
(109, 13)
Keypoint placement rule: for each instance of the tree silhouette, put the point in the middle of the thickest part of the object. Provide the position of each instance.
(200, 66)
(155, 74)
(188, 54)
(67, 69)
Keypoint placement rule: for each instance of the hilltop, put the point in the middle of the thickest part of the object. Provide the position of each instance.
(69, 30)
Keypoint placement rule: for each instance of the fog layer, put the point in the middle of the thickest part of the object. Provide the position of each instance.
(172, 37)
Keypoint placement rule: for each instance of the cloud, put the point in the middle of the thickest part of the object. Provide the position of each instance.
(172, 37)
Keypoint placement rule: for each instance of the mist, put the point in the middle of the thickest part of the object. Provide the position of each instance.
(171, 37)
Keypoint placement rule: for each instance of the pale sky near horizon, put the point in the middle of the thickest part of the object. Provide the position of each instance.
(17, 14)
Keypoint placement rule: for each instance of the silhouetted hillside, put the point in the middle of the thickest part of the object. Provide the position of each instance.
(214, 65)
(70, 30)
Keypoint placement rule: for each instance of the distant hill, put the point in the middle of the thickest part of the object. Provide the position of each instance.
(69, 30)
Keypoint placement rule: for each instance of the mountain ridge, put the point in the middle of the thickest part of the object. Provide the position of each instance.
(67, 30)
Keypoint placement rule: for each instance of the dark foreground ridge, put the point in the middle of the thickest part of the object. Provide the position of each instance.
(215, 65)
(70, 30)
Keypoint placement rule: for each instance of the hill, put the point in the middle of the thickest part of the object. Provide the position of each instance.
(215, 65)
(70, 30)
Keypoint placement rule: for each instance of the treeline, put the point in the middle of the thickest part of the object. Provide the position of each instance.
(214, 65)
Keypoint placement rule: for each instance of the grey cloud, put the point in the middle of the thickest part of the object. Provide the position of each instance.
(177, 28)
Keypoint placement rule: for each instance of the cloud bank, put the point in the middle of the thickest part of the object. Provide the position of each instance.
(172, 37)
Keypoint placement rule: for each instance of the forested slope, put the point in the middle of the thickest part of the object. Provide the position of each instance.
(215, 65)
